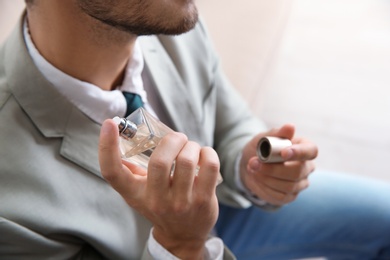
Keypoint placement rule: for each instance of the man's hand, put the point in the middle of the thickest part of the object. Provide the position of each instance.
(182, 207)
(279, 183)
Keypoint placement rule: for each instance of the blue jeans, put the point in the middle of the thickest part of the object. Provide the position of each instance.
(337, 217)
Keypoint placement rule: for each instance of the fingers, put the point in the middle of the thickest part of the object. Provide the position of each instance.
(301, 150)
(278, 183)
(289, 171)
(277, 191)
(161, 162)
(181, 207)
(185, 170)
(286, 131)
(188, 159)
(208, 172)
(109, 158)
(275, 197)
(285, 186)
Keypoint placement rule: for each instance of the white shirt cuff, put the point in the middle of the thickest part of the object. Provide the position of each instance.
(214, 249)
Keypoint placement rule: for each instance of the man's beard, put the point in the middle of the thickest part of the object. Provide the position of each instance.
(141, 24)
(152, 29)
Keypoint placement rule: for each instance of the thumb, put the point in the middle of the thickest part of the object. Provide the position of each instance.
(113, 170)
(287, 131)
(109, 156)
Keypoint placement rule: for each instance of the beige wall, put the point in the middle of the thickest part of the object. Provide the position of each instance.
(321, 64)
(247, 35)
(9, 14)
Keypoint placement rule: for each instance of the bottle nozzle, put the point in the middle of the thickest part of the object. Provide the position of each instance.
(126, 128)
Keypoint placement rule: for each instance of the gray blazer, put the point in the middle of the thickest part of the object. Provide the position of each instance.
(54, 203)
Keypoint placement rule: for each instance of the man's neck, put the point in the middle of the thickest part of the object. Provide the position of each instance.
(81, 46)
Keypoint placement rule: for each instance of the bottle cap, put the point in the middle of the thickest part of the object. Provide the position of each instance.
(269, 149)
(126, 128)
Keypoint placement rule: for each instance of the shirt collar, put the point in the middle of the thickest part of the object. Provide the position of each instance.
(96, 103)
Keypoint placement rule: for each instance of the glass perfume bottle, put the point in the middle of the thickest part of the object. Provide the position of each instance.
(141, 133)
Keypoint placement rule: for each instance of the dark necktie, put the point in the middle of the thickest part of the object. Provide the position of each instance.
(133, 101)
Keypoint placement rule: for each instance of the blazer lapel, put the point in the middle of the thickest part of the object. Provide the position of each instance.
(50, 112)
(81, 142)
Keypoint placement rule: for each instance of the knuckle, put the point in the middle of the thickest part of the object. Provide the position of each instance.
(213, 166)
(297, 187)
(180, 207)
(306, 184)
(157, 208)
(291, 188)
(290, 198)
(174, 138)
(298, 174)
(177, 135)
(311, 167)
(284, 198)
(201, 200)
(299, 153)
(211, 159)
(315, 152)
(185, 162)
(109, 177)
(158, 164)
(103, 147)
(303, 170)
(189, 160)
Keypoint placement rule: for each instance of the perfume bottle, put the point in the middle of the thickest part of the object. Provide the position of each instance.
(140, 133)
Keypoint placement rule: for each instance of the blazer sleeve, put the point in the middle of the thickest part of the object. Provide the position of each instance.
(19, 242)
(235, 126)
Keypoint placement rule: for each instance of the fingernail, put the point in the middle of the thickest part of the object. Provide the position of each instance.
(254, 165)
(289, 154)
(106, 128)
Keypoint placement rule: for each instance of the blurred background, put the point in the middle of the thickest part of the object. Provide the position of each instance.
(323, 65)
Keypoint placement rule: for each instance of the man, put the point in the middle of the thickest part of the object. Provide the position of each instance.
(62, 74)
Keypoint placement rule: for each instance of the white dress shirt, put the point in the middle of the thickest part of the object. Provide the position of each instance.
(100, 104)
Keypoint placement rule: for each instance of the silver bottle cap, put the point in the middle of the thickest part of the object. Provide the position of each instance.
(126, 128)
(269, 149)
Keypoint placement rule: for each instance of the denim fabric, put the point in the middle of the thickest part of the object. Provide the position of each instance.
(338, 217)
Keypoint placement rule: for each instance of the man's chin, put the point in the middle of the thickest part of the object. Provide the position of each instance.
(185, 26)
